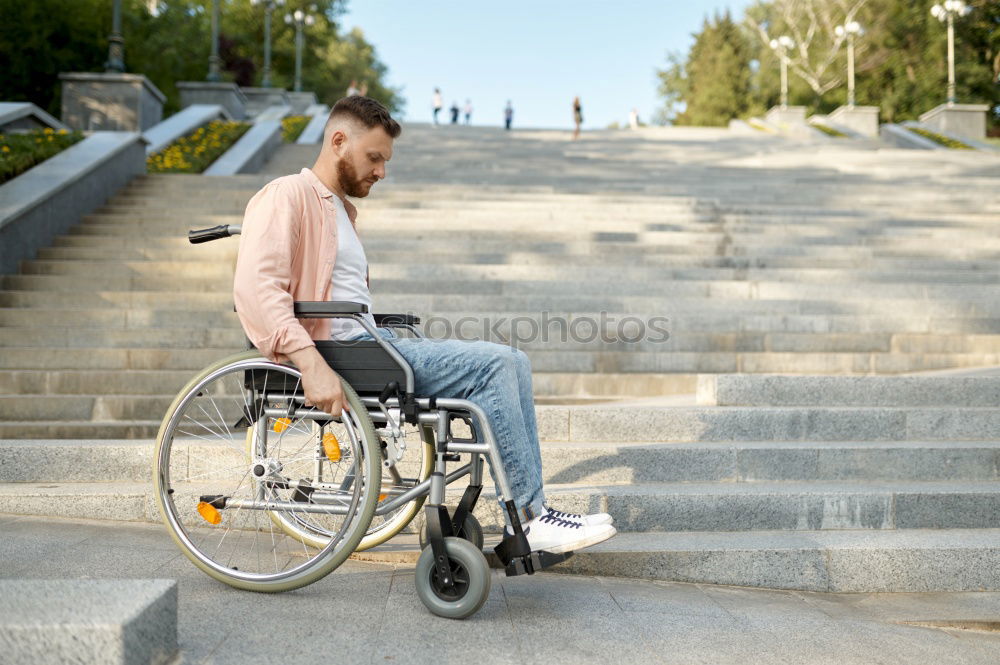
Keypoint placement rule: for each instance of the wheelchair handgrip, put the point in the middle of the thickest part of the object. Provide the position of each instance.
(198, 236)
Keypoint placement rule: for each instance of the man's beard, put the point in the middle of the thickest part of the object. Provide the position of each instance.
(350, 184)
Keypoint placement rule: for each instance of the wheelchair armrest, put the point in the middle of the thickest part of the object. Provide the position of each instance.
(318, 309)
(383, 320)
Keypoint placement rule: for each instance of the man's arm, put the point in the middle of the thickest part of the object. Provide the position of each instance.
(321, 384)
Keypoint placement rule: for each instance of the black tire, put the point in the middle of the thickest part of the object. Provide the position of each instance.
(471, 575)
(471, 531)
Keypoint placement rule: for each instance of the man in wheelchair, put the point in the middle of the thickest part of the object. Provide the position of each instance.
(299, 244)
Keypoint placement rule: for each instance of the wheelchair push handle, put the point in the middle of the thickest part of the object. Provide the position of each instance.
(198, 236)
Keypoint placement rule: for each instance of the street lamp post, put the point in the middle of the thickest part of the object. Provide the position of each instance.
(781, 45)
(946, 13)
(269, 6)
(300, 19)
(850, 29)
(116, 43)
(214, 60)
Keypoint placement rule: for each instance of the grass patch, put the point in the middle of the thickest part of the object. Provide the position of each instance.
(943, 140)
(758, 126)
(829, 131)
(19, 152)
(196, 151)
(292, 126)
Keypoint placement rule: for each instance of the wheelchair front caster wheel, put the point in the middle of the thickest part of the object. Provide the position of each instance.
(471, 531)
(471, 576)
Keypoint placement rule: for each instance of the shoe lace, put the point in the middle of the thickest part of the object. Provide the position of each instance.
(552, 519)
(565, 516)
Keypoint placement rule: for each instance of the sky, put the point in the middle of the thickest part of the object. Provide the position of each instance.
(537, 53)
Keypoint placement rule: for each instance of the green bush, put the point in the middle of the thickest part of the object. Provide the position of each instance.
(943, 140)
(19, 152)
(196, 151)
(292, 126)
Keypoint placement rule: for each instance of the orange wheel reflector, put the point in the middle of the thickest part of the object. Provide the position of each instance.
(281, 424)
(381, 497)
(331, 447)
(209, 513)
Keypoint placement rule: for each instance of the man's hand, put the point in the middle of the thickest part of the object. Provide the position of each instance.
(321, 384)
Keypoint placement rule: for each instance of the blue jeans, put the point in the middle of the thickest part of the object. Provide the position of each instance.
(497, 379)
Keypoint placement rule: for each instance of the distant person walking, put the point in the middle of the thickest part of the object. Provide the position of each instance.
(577, 117)
(438, 103)
(508, 115)
(363, 90)
(454, 113)
(633, 119)
(468, 110)
(353, 88)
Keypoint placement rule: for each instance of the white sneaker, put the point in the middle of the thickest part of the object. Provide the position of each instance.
(552, 534)
(589, 520)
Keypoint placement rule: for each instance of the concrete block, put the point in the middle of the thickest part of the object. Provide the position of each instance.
(16, 116)
(94, 101)
(861, 119)
(48, 199)
(127, 622)
(216, 93)
(967, 120)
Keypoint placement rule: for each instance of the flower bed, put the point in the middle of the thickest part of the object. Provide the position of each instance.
(292, 126)
(829, 131)
(937, 138)
(196, 151)
(19, 152)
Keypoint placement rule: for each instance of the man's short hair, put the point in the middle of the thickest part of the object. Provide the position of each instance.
(366, 111)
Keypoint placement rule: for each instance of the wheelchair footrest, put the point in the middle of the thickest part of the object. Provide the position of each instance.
(534, 562)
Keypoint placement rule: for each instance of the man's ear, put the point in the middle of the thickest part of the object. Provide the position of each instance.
(337, 140)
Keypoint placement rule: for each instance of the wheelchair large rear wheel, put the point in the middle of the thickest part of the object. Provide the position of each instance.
(227, 504)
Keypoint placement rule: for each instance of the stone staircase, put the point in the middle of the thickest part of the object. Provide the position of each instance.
(834, 265)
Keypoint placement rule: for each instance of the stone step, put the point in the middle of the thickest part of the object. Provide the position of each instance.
(625, 270)
(88, 621)
(92, 382)
(847, 391)
(171, 248)
(572, 362)
(635, 508)
(110, 359)
(847, 561)
(149, 275)
(606, 422)
(734, 464)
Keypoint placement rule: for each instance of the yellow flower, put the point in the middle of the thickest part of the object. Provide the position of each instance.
(5, 149)
(49, 130)
(63, 131)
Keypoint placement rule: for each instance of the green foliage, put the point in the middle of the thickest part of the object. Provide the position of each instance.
(196, 151)
(40, 39)
(938, 138)
(292, 126)
(901, 60)
(19, 152)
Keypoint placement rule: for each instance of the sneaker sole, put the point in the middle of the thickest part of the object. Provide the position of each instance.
(582, 543)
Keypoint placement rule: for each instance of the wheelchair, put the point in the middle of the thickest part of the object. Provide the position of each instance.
(264, 493)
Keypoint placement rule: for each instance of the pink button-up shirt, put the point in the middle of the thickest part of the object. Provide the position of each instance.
(288, 248)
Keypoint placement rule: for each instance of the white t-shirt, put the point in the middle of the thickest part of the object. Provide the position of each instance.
(350, 274)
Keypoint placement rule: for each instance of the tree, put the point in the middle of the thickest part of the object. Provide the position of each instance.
(714, 82)
(42, 38)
